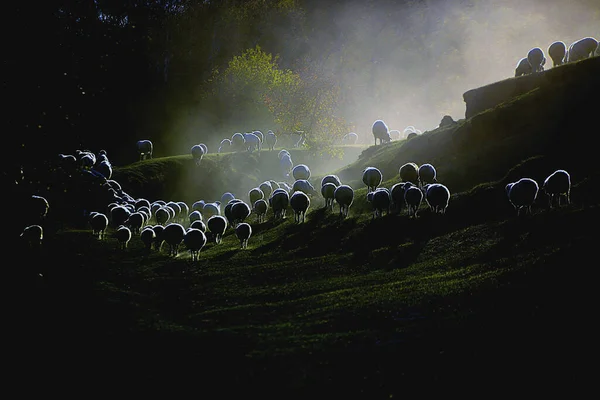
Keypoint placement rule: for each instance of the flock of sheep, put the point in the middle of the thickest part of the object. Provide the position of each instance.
(175, 223)
(558, 52)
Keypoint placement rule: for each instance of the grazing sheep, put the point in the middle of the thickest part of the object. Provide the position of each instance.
(145, 149)
(522, 194)
(173, 234)
(217, 224)
(198, 224)
(158, 231)
(304, 186)
(558, 185)
(271, 140)
(557, 52)
(372, 177)
(118, 215)
(274, 185)
(286, 164)
(283, 152)
(413, 196)
(123, 235)
(409, 172)
(327, 191)
(224, 145)
(148, 236)
(38, 206)
(381, 132)
(141, 203)
(381, 202)
(227, 197)
(185, 210)
(301, 139)
(397, 194)
(301, 171)
(395, 134)
(279, 202)
(99, 224)
(204, 147)
(284, 186)
(331, 179)
(427, 174)
(194, 239)
(32, 236)
(252, 142)
(243, 232)
(197, 153)
(255, 194)
(195, 216)
(581, 49)
(135, 221)
(211, 209)
(260, 136)
(299, 203)
(104, 168)
(437, 197)
(536, 59)
(523, 67)
(239, 212)
(162, 215)
(227, 210)
(260, 208)
(344, 196)
(266, 188)
(350, 138)
(198, 205)
(238, 142)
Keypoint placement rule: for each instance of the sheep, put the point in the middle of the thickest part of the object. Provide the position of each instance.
(227, 210)
(327, 191)
(38, 207)
(194, 239)
(158, 231)
(197, 153)
(135, 222)
(217, 225)
(148, 236)
(99, 224)
(397, 194)
(523, 67)
(274, 185)
(350, 138)
(252, 142)
(243, 232)
(597, 52)
(145, 149)
(301, 171)
(381, 202)
(299, 203)
(195, 216)
(141, 203)
(260, 208)
(395, 134)
(266, 188)
(536, 59)
(437, 197)
(204, 147)
(285, 186)
(227, 197)
(198, 225)
(185, 210)
(331, 179)
(286, 164)
(255, 194)
(271, 140)
(522, 194)
(301, 139)
(557, 185)
(413, 196)
(409, 172)
(123, 235)
(279, 202)
(87, 161)
(198, 205)
(344, 196)
(303, 185)
(447, 121)
(581, 49)
(381, 132)
(372, 177)
(557, 52)
(32, 236)
(118, 215)
(426, 174)
(173, 234)
(162, 216)
(283, 152)
(104, 168)
(224, 145)
(239, 212)
(238, 142)
(211, 209)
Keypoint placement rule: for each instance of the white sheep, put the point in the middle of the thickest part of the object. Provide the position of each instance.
(162, 215)
(283, 152)
(217, 225)
(286, 164)
(523, 67)
(99, 224)
(118, 215)
(227, 210)
(173, 234)
(185, 210)
(397, 194)
(301, 171)
(145, 148)
(271, 140)
(197, 153)
(437, 197)
(300, 202)
(350, 138)
(260, 208)
(536, 59)
(243, 232)
(522, 194)
(198, 205)
(266, 188)
(279, 201)
(582, 49)
(32, 236)
(381, 132)
(123, 235)
(239, 212)
(558, 185)
(381, 201)
(303, 185)
(331, 179)
(194, 239)
(211, 209)
(141, 202)
(227, 197)
(255, 194)
(409, 172)
(395, 134)
(327, 191)
(557, 52)
(344, 196)
(413, 196)
(427, 174)
(198, 225)
(252, 142)
(372, 177)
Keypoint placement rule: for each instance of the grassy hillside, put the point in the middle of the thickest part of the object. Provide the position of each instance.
(473, 301)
